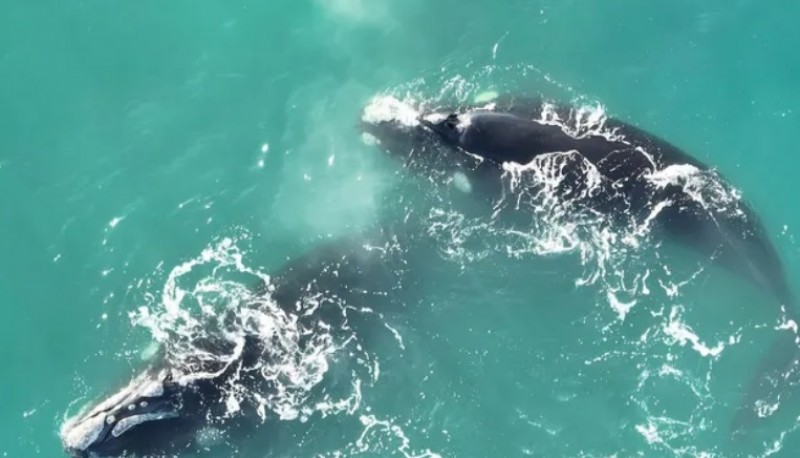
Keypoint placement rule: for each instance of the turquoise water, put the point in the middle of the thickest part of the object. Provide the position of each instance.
(135, 135)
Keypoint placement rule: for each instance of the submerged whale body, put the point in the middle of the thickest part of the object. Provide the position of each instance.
(169, 407)
(607, 166)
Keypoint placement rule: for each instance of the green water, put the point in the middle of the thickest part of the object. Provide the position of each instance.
(132, 136)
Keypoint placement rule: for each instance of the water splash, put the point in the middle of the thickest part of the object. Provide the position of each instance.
(212, 297)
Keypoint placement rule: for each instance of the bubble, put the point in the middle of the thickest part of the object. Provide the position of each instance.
(209, 436)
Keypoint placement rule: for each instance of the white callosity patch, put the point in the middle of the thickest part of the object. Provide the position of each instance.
(80, 431)
(80, 435)
(151, 389)
(387, 108)
(129, 422)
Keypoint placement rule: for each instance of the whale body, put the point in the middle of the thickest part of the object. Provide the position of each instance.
(171, 408)
(606, 165)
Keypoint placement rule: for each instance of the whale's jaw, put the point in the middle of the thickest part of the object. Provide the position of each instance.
(152, 414)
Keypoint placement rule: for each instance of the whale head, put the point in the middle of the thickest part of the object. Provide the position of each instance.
(467, 136)
(424, 142)
(153, 414)
(169, 407)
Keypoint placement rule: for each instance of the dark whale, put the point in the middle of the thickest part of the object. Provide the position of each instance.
(640, 176)
(164, 409)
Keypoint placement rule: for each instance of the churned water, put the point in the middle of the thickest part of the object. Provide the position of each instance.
(158, 157)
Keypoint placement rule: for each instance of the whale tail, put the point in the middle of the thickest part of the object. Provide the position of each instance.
(776, 379)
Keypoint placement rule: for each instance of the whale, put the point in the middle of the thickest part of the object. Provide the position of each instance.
(171, 406)
(607, 166)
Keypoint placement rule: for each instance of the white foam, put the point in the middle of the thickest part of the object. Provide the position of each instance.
(435, 118)
(680, 333)
(787, 324)
(765, 409)
(387, 108)
(622, 308)
(464, 121)
(650, 433)
(583, 121)
(386, 431)
(702, 186)
(197, 297)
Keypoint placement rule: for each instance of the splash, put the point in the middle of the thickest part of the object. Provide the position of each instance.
(682, 334)
(213, 298)
(581, 121)
(384, 108)
(704, 187)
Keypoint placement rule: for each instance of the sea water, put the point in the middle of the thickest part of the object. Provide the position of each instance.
(144, 144)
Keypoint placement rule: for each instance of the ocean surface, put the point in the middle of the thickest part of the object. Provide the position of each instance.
(145, 144)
